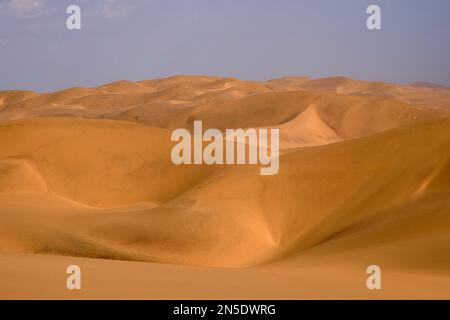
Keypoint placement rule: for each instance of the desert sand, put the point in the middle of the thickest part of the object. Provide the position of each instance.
(86, 178)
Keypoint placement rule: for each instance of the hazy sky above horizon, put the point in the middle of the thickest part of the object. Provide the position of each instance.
(247, 39)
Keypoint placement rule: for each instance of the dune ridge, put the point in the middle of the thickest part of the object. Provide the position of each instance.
(191, 91)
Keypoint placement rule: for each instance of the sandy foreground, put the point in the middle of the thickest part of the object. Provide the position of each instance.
(86, 179)
(26, 276)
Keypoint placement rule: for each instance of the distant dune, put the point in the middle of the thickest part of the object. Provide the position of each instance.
(429, 85)
(144, 100)
(86, 177)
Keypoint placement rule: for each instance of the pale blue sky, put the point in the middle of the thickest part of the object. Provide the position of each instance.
(248, 39)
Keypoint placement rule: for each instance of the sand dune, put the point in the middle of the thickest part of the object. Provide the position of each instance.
(181, 205)
(100, 163)
(422, 84)
(347, 116)
(363, 180)
(307, 129)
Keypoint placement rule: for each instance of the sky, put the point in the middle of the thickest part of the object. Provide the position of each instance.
(246, 39)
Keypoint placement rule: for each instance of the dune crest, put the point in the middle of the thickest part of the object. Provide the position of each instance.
(18, 175)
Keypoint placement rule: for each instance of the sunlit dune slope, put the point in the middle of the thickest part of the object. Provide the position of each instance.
(107, 189)
(347, 117)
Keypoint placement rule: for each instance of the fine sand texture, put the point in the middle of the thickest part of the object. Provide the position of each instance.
(86, 179)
